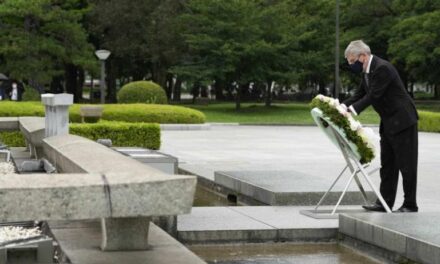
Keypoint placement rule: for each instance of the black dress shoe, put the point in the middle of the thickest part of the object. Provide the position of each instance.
(374, 208)
(406, 210)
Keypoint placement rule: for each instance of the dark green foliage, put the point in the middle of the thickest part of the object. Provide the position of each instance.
(142, 92)
(31, 94)
(122, 134)
(367, 155)
(12, 138)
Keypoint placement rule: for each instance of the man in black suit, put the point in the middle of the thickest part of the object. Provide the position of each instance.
(382, 88)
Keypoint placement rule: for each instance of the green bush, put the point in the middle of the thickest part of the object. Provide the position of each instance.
(148, 113)
(12, 138)
(429, 121)
(121, 133)
(142, 92)
(31, 94)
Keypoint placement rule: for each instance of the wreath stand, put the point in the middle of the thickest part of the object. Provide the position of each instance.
(352, 159)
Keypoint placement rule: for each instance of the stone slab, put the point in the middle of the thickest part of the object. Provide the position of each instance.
(414, 236)
(253, 224)
(46, 196)
(57, 99)
(8, 123)
(129, 179)
(185, 126)
(33, 129)
(288, 187)
(80, 243)
(161, 161)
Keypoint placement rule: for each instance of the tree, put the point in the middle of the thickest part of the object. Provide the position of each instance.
(235, 42)
(39, 38)
(414, 42)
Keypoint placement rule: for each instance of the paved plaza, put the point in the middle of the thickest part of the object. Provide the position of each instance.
(279, 148)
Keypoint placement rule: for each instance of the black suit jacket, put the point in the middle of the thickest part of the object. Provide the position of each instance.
(387, 94)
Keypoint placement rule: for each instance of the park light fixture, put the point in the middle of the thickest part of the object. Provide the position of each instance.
(102, 56)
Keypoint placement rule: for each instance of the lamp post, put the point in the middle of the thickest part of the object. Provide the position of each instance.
(102, 56)
(337, 79)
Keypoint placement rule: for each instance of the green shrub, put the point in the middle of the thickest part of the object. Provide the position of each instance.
(31, 94)
(149, 113)
(121, 133)
(15, 109)
(12, 138)
(142, 92)
(429, 121)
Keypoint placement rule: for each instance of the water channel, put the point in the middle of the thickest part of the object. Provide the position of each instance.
(270, 253)
(280, 253)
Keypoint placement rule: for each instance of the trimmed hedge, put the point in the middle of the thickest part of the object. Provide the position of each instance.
(146, 92)
(122, 134)
(149, 113)
(12, 138)
(162, 114)
(429, 121)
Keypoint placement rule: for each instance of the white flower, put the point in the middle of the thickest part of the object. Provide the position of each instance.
(341, 110)
(354, 125)
(320, 97)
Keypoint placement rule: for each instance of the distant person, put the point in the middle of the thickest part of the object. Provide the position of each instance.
(15, 90)
(382, 88)
(2, 89)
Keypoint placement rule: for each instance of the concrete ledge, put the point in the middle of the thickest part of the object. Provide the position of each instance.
(9, 124)
(185, 126)
(253, 224)
(411, 235)
(129, 180)
(33, 129)
(50, 197)
(79, 243)
(286, 187)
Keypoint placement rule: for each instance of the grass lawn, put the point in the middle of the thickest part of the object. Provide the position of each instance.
(291, 113)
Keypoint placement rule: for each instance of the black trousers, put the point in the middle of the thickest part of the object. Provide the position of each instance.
(399, 152)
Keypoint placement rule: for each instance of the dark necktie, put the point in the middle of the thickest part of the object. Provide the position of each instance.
(366, 80)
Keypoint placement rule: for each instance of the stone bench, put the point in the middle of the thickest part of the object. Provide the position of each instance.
(90, 111)
(101, 183)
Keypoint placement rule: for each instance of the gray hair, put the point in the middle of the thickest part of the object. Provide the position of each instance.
(356, 48)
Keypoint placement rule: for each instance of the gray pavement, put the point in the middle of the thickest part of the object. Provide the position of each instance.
(300, 148)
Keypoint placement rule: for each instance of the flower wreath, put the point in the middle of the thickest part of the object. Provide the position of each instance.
(355, 133)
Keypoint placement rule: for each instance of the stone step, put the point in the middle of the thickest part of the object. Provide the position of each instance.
(405, 236)
(289, 187)
(79, 242)
(254, 224)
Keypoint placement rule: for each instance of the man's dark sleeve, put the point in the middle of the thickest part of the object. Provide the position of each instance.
(379, 82)
(358, 94)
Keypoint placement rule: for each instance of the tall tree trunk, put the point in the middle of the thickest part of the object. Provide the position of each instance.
(411, 90)
(159, 75)
(169, 85)
(111, 81)
(79, 88)
(177, 89)
(269, 88)
(239, 89)
(203, 91)
(56, 86)
(71, 78)
(219, 86)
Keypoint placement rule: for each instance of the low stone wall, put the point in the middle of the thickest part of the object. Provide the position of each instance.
(101, 184)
